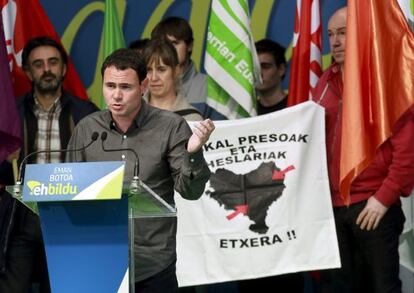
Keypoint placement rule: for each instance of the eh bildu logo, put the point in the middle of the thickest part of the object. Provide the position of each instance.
(38, 188)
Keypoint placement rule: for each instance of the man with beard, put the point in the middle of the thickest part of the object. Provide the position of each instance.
(48, 115)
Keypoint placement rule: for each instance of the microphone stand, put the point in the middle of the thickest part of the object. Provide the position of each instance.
(136, 184)
(17, 188)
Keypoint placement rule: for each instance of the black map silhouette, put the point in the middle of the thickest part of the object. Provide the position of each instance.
(250, 194)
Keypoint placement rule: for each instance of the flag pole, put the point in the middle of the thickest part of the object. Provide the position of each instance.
(15, 169)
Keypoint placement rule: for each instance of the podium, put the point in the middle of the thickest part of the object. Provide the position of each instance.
(84, 210)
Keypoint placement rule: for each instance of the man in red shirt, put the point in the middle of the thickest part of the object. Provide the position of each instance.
(368, 229)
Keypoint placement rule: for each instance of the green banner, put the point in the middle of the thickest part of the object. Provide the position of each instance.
(231, 61)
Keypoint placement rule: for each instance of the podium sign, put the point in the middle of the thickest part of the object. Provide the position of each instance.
(73, 181)
(84, 220)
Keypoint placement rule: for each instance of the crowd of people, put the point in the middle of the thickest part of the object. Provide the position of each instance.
(151, 89)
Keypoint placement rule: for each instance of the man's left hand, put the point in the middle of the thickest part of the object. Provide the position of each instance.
(371, 215)
(201, 133)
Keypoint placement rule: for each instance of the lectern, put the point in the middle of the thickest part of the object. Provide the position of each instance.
(84, 210)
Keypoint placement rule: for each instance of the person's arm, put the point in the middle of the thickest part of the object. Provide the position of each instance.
(189, 169)
(399, 180)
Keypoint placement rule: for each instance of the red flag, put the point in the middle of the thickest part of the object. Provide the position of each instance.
(22, 21)
(9, 119)
(378, 83)
(306, 65)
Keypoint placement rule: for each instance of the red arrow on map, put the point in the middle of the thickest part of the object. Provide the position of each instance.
(241, 209)
(280, 175)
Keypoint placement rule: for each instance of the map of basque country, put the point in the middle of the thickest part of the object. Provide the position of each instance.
(249, 194)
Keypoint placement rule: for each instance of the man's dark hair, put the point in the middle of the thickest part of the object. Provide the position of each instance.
(40, 42)
(273, 48)
(139, 45)
(160, 50)
(123, 59)
(177, 27)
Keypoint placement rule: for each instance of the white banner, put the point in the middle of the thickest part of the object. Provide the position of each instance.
(267, 207)
(406, 248)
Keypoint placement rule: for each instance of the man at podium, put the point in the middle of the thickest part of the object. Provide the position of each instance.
(170, 157)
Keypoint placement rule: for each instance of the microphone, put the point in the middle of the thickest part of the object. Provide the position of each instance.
(136, 182)
(19, 182)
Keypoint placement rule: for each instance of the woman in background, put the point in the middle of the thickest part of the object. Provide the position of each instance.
(164, 82)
